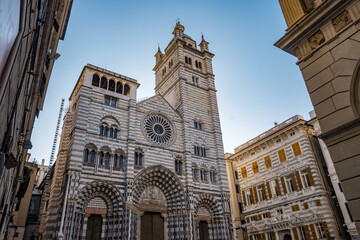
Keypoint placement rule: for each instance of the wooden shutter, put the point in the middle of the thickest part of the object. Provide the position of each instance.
(263, 236)
(326, 230)
(252, 196)
(268, 214)
(296, 149)
(283, 185)
(255, 167)
(298, 178)
(294, 181)
(295, 208)
(318, 203)
(307, 232)
(263, 191)
(256, 195)
(247, 219)
(277, 187)
(244, 198)
(313, 232)
(267, 161)
(269, 189)
(260, 217)
(273, 236)
(243, 172)
(312, 183)
(282, 155)
(296, 235)
(306, 205)
(251, 237)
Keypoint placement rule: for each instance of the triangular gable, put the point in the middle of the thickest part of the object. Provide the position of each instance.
(156, 103)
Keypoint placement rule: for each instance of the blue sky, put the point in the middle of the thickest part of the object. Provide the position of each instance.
(257, 83)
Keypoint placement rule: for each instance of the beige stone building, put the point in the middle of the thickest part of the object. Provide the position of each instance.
(16, 230)
(151, 169)
(340, 197)
(324, 35)
(29, 35)
(280, 187)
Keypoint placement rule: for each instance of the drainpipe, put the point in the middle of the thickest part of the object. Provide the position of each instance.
(61, 234)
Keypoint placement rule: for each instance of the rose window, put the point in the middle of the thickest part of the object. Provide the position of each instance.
(158, 129)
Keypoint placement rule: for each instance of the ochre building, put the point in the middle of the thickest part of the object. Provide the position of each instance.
(324, 35)
(150, 169)
(279, 186)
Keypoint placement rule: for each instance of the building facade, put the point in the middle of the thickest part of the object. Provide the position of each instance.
(29, 35)
(152, 169)
(324, 36)
(340, 197)
(281, 180)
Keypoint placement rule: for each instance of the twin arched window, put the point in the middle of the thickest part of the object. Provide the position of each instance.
(198, 64)
(139, 157)
(118, 160)
(178, 166)
(200, 151)
(203, 174)
(104, 157)
(187, 60)
(108, 132)
(112, 86)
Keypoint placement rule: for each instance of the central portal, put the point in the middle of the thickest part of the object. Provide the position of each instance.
(93, 230)
(152, 226)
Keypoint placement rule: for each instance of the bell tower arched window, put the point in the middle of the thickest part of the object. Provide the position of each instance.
(126, 90)
(112, 85)
(95, 80)
(119, 87)
(103, 83)
(107, 159)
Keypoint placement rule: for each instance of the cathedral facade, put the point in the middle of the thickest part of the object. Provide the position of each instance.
(151, 169)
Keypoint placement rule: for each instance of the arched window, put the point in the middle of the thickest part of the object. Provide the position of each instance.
(199, 65)
(101, 158)
(103, 83)
(119, 87)
(112, 85)
(95, 80)
(186, 59)
(115, 163)
(178, 166)
(189, 61)
(101, 130)
(126, 90)
(196, 63)
(203, 175)
(115, 133)
(92, 157)
(106, 129)
(111, 132)
(195, 172)
(213, 176)
(121, 159)
(138, 158)
(107, 159)
(86, 155)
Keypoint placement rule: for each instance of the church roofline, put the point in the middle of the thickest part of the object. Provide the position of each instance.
(93, 67)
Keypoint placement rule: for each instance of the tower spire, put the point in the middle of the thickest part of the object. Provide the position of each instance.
(204, 45)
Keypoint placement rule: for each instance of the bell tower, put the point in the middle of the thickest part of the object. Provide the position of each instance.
(184, 77)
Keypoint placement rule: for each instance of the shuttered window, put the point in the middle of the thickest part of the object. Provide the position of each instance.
(282, 155)
(267, 161)
(295, 208)
(243, 172)
(306, 205)
(295, 232)
(311, 179)
(255, 167)
(296, 149)
(318, 203)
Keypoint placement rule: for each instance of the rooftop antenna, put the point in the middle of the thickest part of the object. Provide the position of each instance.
(56, 133)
